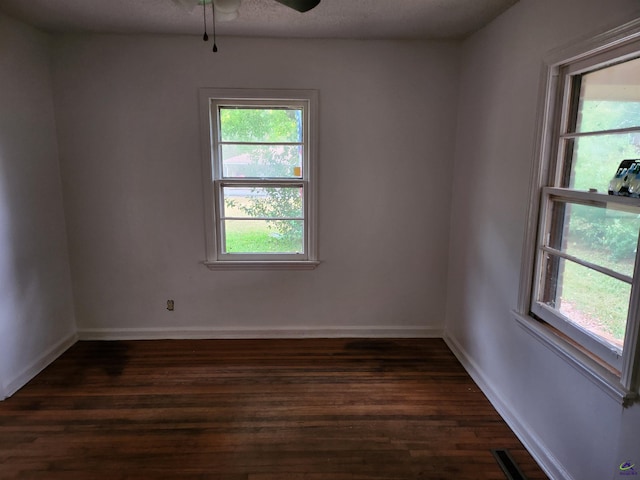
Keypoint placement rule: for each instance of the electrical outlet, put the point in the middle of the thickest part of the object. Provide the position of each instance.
(170, 305)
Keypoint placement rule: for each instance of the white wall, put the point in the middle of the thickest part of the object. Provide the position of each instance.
(574, 428)
(36, 318)
(131, 163)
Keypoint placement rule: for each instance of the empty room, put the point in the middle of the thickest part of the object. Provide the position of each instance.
(345, 239)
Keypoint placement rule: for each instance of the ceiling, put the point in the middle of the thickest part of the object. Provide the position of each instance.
(366, 19)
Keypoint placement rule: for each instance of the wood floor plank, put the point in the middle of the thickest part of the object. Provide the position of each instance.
(330, 409)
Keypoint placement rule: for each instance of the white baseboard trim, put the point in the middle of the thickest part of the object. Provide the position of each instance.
(550, 464)
(250, 333)
(39, 364)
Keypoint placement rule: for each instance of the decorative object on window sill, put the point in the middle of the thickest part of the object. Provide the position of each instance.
(626, 181)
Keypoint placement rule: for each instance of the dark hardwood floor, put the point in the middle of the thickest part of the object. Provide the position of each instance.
(313, 409)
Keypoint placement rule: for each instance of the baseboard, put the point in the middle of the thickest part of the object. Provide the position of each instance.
(552, 467)
(39, 364)
(250, 333)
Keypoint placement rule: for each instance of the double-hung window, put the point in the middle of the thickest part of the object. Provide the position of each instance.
(259, 168)
(585, 254)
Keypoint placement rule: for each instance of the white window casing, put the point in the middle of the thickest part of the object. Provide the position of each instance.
(215, 180)
(615, 370)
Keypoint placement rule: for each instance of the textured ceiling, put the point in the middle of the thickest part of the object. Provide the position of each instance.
(398, 19)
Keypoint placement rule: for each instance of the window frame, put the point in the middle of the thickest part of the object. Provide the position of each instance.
(214, 180)
(613, 46)
(576, 197)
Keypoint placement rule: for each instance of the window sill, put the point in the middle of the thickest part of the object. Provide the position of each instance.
(262, 265)
(601, 376)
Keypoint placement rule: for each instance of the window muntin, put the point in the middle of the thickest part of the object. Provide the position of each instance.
(261, 193)
(587, 240)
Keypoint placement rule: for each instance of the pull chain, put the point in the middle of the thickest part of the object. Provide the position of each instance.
(205, 37)
(213, 14)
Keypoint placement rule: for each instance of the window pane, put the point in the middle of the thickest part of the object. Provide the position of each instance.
(263, 202)
(590, 300)
(266, 125)
(596, 159)
(610, 98)
(606, 237)
(262, 161)
(263, 236)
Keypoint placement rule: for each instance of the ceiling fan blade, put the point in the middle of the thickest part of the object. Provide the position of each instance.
(300, 5)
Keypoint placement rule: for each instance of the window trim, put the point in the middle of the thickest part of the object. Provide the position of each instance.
(617, 42)
(212, 183)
